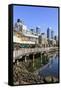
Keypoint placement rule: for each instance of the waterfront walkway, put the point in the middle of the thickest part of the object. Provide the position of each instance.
(27, 51)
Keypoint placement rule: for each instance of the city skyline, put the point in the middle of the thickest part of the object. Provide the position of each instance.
(37, 16)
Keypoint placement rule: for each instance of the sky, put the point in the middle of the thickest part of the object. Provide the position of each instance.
(43, 17)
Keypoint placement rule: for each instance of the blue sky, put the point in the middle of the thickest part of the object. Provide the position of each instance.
(43, 17)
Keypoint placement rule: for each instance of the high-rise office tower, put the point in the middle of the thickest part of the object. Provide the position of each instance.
(52, 34)
(49, 33)
(38, 31)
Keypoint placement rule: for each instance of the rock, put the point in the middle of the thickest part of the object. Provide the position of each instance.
(21, 75)
(48, 79)
(16, 83)
(55, 79)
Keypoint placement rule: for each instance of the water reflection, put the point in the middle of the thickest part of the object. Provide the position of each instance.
(51, 68)
(45, 65)
(37, 62)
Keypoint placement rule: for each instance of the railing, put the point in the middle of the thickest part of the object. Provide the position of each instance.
(24, 51)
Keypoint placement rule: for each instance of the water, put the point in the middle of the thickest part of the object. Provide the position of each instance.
(46, 67)
(51, 68)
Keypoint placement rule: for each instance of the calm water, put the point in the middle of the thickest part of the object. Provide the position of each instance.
(45, 67)
(51, 68)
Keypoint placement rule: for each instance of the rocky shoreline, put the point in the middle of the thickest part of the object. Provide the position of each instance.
(22, 76)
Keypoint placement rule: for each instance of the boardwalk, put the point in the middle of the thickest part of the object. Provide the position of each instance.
(27, 51)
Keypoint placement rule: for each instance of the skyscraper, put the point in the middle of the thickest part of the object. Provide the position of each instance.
(55, 38)
(38, 30)
(52, 34)
(49, 33)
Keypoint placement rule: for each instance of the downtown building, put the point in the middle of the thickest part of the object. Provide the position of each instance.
(43, 42)
(50, 37)
(23, 37)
